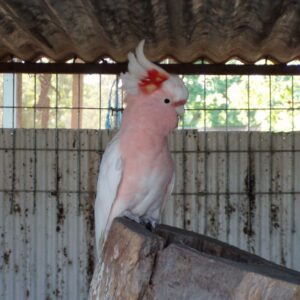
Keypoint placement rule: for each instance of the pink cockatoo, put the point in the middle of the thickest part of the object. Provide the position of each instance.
(136, 173)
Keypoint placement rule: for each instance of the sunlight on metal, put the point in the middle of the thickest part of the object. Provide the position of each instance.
(9, 101)
(180, 68)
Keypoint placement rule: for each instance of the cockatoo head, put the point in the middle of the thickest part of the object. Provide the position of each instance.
(148, 83)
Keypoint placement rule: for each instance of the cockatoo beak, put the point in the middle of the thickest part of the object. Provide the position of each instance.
(179, 106)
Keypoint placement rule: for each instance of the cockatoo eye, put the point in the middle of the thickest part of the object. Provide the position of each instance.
(167, 100)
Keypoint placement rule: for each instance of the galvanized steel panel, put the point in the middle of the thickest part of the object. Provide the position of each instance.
(239, 187)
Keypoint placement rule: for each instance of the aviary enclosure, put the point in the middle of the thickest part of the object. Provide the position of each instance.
(236, 151)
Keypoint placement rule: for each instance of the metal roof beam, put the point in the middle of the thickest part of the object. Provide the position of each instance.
(181, 68)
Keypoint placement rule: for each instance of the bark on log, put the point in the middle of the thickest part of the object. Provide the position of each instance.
(171, 263)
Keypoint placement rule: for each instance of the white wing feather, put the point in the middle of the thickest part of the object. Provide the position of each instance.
(110, 174)
(169, 192)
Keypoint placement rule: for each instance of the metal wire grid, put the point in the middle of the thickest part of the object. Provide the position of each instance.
(108, 116)
(250, 190)
(274, 116)
(99, 105)
(68, 104)
(109, 110)
(79, 108)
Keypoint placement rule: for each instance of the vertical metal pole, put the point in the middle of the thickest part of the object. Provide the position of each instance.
(35, 146)
(81, 105)
(100, 101)
(57, 183)
(35, 275)
(184, 179)
(293, 215)
(58, 175)
(249, 221)
(270, 166)
(9, 101)
(248, 103)
(80, 99)
(250, 183)
(9, 121)
(227, 196)
(205, 159)
(116, 116)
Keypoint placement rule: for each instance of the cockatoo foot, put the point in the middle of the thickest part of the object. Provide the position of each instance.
(148, 222)
(132, 217)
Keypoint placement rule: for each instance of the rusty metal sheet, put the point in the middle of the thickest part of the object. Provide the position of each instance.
(239, 187)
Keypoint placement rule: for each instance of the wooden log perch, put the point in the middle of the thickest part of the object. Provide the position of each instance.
(171, 263)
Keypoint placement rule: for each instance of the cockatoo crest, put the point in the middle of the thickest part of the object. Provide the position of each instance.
(145, 77)
(152, 81)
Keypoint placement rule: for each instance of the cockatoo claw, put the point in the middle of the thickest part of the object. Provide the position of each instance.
(148, 222)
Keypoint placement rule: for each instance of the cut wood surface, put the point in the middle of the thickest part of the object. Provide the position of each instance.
(171, 263)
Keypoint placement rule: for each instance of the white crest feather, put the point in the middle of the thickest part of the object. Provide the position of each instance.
(138, 67)
(143, 61)
(134, 68)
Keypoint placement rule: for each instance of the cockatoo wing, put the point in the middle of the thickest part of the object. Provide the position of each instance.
(169, 192)
(110, 174)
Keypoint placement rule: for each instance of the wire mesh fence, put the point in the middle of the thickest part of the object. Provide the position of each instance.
(237, 174)
(216, 102)
(60, 101)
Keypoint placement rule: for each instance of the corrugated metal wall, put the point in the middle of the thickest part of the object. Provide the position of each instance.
(240, 187)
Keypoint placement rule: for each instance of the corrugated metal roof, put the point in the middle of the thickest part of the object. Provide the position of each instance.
(184, 29)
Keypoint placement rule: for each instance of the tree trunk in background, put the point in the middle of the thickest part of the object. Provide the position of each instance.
(43, 104)
(76, 120)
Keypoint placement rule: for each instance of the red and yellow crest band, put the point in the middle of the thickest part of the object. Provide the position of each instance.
(152, 81)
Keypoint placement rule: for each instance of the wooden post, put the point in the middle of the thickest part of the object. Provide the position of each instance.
(76, 120)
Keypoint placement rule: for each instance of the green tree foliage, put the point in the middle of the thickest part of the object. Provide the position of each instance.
(93, 107)
(216, 102)
(242, 102)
